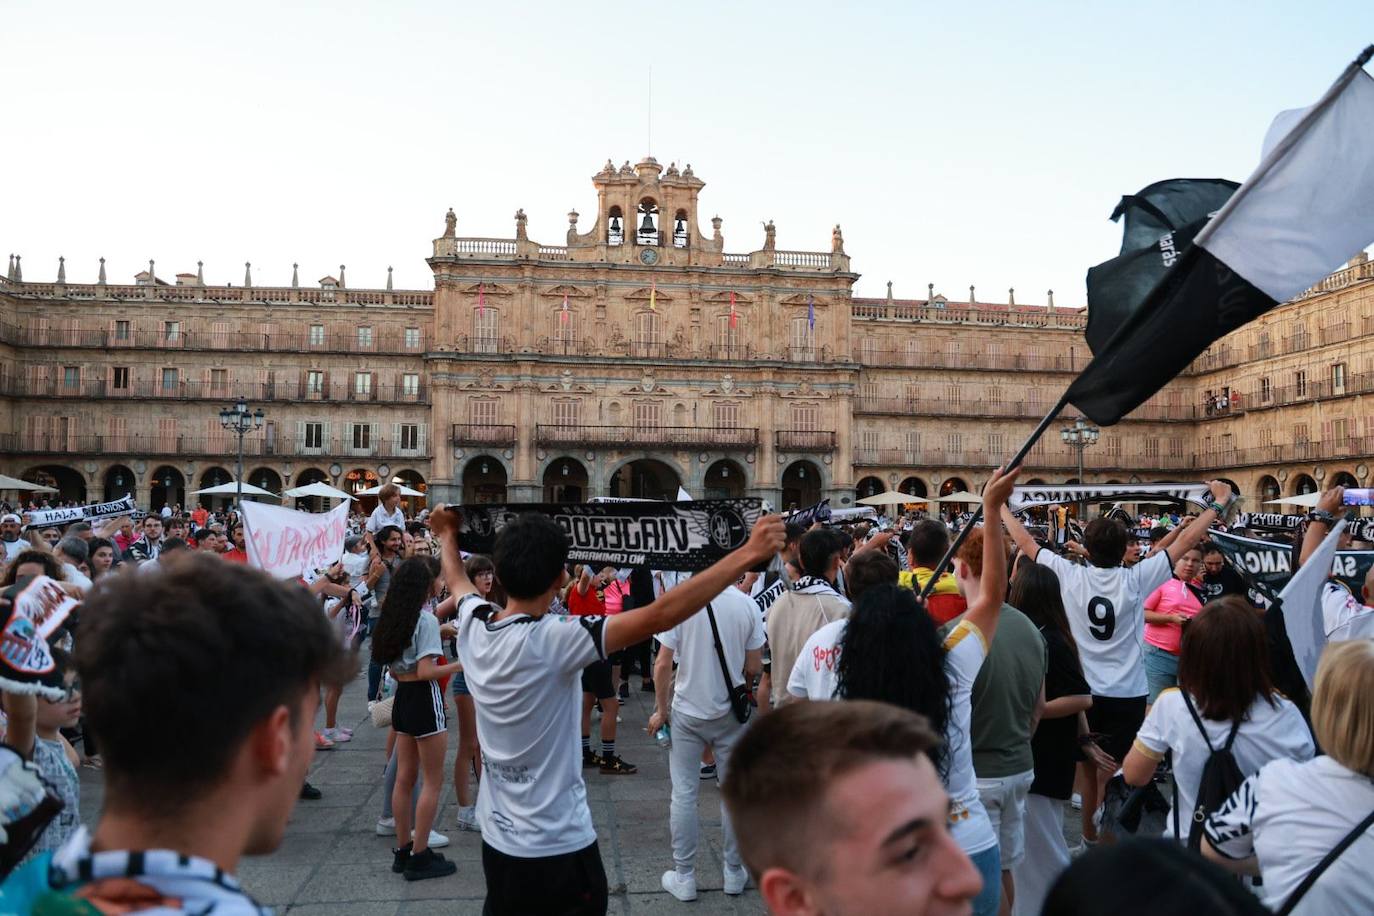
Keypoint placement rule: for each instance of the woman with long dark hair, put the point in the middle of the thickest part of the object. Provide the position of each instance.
(407, 638)
(891, 651)
(1224, 695)
(1035, 592)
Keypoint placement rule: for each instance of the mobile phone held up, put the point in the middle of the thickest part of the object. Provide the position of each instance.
(1358, 496)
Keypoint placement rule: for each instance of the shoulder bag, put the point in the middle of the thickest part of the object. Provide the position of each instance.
(741, 703)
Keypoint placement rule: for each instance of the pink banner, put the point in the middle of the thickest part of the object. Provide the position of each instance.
(288, 543)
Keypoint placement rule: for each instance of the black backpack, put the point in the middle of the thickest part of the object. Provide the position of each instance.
(1221, 777)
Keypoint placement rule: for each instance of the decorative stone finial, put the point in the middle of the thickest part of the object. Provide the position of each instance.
(520, 221)
(450, 223)
(200, 273)
(715, 228)
(388, 277)
(1050, 296)
(247, 274)
(101, 281)
(889, 290)
(572, 226)
(61, 269)
(1011, 296)
(295, 276)
(18, 270)
(342, 285)
(972, 299)
(930, 293)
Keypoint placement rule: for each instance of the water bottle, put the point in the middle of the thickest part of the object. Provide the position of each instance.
(663, 736)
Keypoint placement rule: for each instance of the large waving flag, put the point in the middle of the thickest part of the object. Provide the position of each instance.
(1307, 208)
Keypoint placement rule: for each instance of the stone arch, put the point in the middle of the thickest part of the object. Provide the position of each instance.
(953, 485)
(69, 482)
(212, 477)
(119, 481)
(565, 480)
(724, 479)
(412, 478)
(802, 482)
(1267, 488)
(267, 478)
(869, 486)
(484, 480)
(168, 488)
(645, 478)
(913, 486)
(1343, 479)
(1303, 484)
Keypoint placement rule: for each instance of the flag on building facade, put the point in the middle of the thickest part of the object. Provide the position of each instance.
(563, 316)
(1307, 208)
(734, 318)
(653, 293)
(810, 312)
(481, 299)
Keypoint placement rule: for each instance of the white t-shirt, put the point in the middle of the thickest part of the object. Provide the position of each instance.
(15, 548)
(699, 690)
(1106, 610)
(1344, 616)
(524, 674)
(1291, 815)
(380, 518)
(1269, 733)
(814, 675)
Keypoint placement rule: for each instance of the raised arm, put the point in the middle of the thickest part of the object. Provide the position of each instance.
(1191, 536)
(677, 604)
(1166, 541)
(444, 523)
(1330, 503)
(1019, 535)
(992, 586)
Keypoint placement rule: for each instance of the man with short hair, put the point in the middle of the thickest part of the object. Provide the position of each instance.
(388, 510)
(925, 548)
(838, 810)
(522, 664)
(176, 527)
(1218, 578)
(239, 553)
(149, 545)
(10, 527)
(81, 529)
(188, 795)
(703, 719)
(811, 603)
(73, 554)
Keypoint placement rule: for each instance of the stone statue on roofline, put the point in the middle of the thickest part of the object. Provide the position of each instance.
(770, 236)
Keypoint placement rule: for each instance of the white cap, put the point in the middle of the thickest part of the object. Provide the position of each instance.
(9, 518)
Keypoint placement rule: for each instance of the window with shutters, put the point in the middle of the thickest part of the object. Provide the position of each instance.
(362, 436)
(362, 384)
(802, 341)
(725, 415)
(171, 332)
(954, 444)
(648, 333)
(995, 446)
(913, 443)
(1151, 447)
(169, 379)
(121, 330)
(1300, 433)
(565, 330)
(1338, 378)
(410, 385)
(119, 378)
(868, 440)
(71, 377)
(314, 435)
(485, 328)
(365, 337)
(953, 394)
(1113, 446)
(1266, 390)
(647, 414)
(117, 434)
(1265, 436)
(1300, 383)
(1175, 447)
(566, 412)
(219, 382)
(994, 396)
(805, 417)
(868, 353)
(868, 392)
(167, 435)
(1340, 430)
(913, 353)
(484, 411)
(314, 384)
(316, 336)
(728, 338)
(410, 437)
(219, 335)
(994, 355)
(412, 338)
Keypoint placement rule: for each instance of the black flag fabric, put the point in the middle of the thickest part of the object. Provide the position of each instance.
(1160, 222)
(1307, 208)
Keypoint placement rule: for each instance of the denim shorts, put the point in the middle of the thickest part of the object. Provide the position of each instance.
(460, 685)
(1161, 670)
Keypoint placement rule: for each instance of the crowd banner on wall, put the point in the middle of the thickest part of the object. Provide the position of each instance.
(1023, 498)
(47, 518)
(1271, 564)
(288, 544)
(681, 537)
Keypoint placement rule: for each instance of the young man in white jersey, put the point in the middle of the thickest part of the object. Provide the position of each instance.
(523, 666)
(1105, 603)
(1345, 615)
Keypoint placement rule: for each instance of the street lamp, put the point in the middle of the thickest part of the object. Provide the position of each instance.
(1079, 436)
(241, 420)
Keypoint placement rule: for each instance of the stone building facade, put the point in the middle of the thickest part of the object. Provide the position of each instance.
(636, 357)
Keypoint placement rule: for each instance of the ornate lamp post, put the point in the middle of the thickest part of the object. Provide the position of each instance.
(1079, 436)
(240, 419)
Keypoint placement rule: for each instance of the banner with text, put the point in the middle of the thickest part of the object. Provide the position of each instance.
(820, 512)
(1030, 497)
(287, 543)
(683, 537)
(37, 607)
(47, 518)
(1271, 564)
(1361, 529)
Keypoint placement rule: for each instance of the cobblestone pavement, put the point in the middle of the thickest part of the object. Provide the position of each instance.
(332, 862)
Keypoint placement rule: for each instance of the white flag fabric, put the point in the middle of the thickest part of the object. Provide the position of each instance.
(1302, 605)
(1198, 494)
(289, 544)
(1309, 205)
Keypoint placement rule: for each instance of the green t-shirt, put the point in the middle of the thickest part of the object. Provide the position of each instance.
(1004, 695)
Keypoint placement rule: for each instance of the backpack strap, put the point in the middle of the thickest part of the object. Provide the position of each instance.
(1325, 863)
(1192, 711)
(720, 651)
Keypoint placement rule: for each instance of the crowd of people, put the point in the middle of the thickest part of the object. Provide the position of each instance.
(889, 736)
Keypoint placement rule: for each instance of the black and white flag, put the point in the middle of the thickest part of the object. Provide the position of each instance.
(1307, 209)
(1023, 498)
(48, 518)
(680, 536)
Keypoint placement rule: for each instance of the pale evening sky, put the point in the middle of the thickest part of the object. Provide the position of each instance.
(978, 143)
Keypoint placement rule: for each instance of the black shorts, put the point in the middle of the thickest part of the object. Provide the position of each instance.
(418, 709)
(596, 680)
(1117, 720)
(573, 884)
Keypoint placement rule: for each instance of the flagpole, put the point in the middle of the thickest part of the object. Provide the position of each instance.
(1020, 456)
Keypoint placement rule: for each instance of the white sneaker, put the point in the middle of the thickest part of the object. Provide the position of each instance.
(1076, 802)
(437, 840)
(467, 819)
(735, 879)
(683, 887)
(386, 826)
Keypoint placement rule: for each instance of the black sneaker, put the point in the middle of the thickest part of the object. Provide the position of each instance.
(708, 771)
(615, 766)
(591, 759)
(428, 864)
(310, 793)
(624, 690)
(401, 858)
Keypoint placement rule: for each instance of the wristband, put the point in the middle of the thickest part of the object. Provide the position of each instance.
(1218, 508)
(1321, 515)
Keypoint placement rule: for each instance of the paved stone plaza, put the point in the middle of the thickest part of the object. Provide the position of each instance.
(332, 862)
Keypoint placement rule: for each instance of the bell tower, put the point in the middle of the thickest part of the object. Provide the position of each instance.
(647, 214)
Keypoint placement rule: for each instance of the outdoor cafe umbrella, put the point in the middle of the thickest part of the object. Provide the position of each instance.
(405, 491)
(1306, 499)
(317, 489)
(14, 483)
(232, 488)
(963, 496)
(893, 498)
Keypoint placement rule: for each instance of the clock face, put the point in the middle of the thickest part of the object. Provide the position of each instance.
(648, 256)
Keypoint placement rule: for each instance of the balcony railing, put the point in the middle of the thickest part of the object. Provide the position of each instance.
(975, 458)
(909, 311)
(153, 445)
(805, 440)
(483, 434)
(300, 340)
(891, 357)
(183, 390)
(723, 438)
(970, 405)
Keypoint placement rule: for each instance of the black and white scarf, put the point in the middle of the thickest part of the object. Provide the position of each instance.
(815, 585)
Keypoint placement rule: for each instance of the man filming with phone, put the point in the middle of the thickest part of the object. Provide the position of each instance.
(1345, 615)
